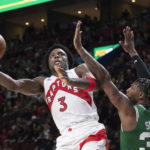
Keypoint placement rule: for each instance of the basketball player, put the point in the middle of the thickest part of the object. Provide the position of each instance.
(133, 108)
(128, 46)
(72, 108)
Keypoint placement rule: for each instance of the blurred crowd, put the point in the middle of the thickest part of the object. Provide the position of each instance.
(26, 122)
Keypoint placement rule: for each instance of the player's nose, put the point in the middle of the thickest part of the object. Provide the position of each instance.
(56, 56)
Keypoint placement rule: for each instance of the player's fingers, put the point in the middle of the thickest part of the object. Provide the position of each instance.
(59, 73)
(62, 74)
(79, 24)
(63, 77)
(124, 33)
(63, 71)
(127, 32)
(78, 28)
(132, 35)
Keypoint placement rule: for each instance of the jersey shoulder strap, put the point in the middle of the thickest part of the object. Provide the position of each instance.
(72, 73)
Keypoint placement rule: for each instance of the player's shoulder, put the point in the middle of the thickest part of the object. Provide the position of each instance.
(81, 70)
(139, 107)
(142, 111)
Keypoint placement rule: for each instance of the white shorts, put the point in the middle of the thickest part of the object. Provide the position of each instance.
(91, 136)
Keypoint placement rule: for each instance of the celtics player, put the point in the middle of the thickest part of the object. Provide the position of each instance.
(133, 108)
(141, 133)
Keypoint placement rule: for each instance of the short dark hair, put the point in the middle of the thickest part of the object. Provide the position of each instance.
(69, 55)
(144, 85)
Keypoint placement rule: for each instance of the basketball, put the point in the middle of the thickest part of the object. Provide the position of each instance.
(2, 46)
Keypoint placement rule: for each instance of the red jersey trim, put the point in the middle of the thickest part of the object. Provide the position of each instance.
(92, 84)
(100, 135)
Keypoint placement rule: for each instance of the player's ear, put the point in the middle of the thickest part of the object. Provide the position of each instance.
(141, 94)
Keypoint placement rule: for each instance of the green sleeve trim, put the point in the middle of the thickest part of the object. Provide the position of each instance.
(137, 113)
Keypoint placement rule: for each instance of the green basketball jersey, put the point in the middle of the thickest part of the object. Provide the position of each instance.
(139, 138)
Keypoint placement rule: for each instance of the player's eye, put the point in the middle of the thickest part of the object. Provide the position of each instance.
(61, 54)
(52, 55)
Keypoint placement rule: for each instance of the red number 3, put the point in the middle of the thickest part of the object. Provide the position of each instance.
(62, 102)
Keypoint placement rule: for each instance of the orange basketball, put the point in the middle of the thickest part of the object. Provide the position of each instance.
(2, 46)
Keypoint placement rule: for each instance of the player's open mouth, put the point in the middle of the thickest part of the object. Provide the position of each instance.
(57, 62)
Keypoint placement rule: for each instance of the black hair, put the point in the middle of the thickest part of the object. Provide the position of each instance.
(144, 85)
(69, 55)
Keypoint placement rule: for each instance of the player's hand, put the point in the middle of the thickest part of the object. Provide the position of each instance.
(62, 74)
(128, 43)
(77, 36)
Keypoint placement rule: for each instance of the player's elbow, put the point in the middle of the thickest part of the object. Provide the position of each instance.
(13, 86)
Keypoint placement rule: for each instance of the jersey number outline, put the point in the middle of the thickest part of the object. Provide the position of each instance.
(62, 103)
(144, 135)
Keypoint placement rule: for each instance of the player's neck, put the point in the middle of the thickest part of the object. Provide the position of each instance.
(145, 103)
(54, 74)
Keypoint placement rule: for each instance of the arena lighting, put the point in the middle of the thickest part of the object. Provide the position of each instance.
(102, 51)
(96, 8)
(133, 1)
(79, 12)
(7, 5)
(27, 23)
(42, 20)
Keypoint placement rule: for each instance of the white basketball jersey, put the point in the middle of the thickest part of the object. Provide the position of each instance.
(69, 105)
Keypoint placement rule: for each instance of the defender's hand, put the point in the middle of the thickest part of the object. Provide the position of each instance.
(128, 43)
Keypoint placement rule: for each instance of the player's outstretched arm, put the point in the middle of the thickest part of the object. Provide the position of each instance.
(92, 64)
(117, 98)
(129, 47)
(24, 86)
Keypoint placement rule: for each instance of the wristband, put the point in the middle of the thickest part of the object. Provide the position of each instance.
(92, 84)
(135, 59)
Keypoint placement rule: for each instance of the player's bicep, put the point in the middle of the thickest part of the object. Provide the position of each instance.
(29, 87)
(117, 98)
(121, 102)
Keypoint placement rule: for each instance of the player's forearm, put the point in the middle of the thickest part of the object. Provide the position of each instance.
(82, 83)
(141, 68)
(132, 52)
(7, 82)
(95, 67)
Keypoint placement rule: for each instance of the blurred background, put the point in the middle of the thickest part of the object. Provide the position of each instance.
(25, 122)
